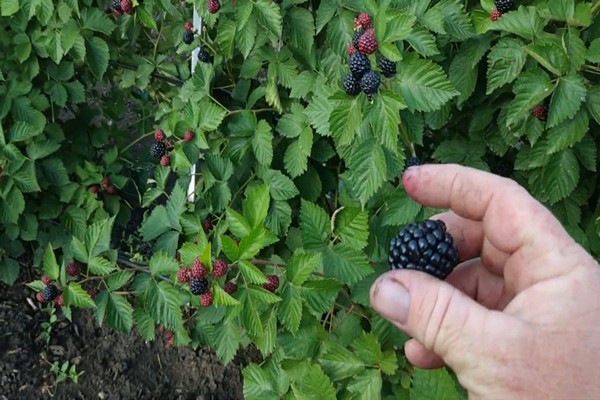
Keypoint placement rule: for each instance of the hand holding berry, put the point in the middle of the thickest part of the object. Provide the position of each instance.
(519, 317)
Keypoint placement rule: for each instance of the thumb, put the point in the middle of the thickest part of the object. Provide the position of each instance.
(439, 316)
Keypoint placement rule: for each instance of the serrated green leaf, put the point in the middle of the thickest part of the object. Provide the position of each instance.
(319, 296)
(256, 205)
(97, 55)
(9, 270)
(301, 266)
(263, 295)
(423, 84)
(79, 251)
(251, 315)
(75, 295)
(222, 297)
(436, 384)
(345, 118)
(366, 385)
(97, 237)
(238, 225)
(9, 7)
(569, 132)
(290, 308)
(399, 209)
(296, 155)
(162, 264)
(302, 28)
(262, 143)
(367, 169)
(338, 362)
(280, 186)
(251, 273)
(155, 224)
(118, 280)
(351, 226)
(95, 20)
(163, 305)
(384, 114)
(269, 16)
(560, 175)
(524, 22)
(345, 263)
(423, 42)
(530, 89)
(225, 37)
(593, 53)
(230, 248)
(49, 265)
(144, 324)
(586, 152)
(118, 311)
(314, 223)
(318, 112)
(257, 384)
(566, 99)
(505, 62)
(314, 385)
(100, 266)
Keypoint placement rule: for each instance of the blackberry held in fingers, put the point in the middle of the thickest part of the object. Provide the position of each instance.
(359, 64)
(424, 246)
(351, 85)
(503, 6)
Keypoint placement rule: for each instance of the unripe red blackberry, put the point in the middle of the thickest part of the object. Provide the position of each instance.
(60, 301)
(220, 268)
(93, 292)
(72, 269)
(213, 6)
(495, 15)
(165, 161)
(272, 283)
(207, 225)
(199, 270)
(127, 6)
(351, 49)
(188, 136)
(367, 44)
(46, 280)
(206, 299)
(159, 135)
(183, 275)
(105, 181)
(363, 21)
(40, 297)
(94, 189)
(189, 26)
(230, 287)
(110, 189)
(540, 112)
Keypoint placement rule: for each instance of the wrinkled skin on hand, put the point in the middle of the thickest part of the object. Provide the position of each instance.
(520, 316)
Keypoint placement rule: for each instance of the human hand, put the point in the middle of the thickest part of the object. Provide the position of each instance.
(520, 316)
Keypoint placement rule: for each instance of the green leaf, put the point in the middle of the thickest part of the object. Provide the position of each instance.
(211, 115)
(530, 89)
(367, 385)
(290, 308)
(144, 324)
(400, 209)
(163, 305)
(21, 131)
(302, 28)
(118, 280)
(97, 237)
(9, 270)
(95, 20)
(75, 295)
(155, 224)
(79, 251)
(314, 385)
(423, 42)
(566, 100)
(257, 384)
(251, 315)
(560, 176)
(524, 22)
(9, 7)
(49, 264)
(97, 55)
(238, 225)
(269, 16)
(385, 116)
(301, 266)
(222, 297)
(100, 266)
(593, 102)
(319, 296)
(262, 143)
(162, 264)
(339, 363)
(593, 53)
(367, 169)
(119, 312)
(256, 205)
(251, 273)
(280, 186)
(423, 84)
(296, 155)
(435, 384)
(344, 120)
(263, 295)
(346, 264)
(569, 132)
(505, 62)
(314, 223)
(351, 226)
(318, 112)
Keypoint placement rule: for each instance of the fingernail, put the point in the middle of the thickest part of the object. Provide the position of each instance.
(409, 173)
(391, 299)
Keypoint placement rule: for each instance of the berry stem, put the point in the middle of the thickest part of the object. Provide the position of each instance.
(136, 141)
(596, 7)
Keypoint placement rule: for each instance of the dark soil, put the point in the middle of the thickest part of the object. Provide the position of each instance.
(115, 365)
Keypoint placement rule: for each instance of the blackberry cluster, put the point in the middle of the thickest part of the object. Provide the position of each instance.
(426, 247)
(198, 286)
(362, 77)
(50, 292)
(503, 6)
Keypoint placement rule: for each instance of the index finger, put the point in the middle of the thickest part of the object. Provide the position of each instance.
(511, 216)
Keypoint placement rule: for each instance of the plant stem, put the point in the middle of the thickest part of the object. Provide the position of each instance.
(136, 141)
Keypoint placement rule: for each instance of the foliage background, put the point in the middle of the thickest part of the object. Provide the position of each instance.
(302, 175)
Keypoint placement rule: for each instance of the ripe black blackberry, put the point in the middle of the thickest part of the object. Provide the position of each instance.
(359, 64)
(198, 286)
(503, 6)
(424, 246)
(369, 83)
(387, 67)
(188, 37)
(204, 56)
(351, 85)
(158, 150)
(50, 292)
(116, 5)
(413, 162)
(146, 250)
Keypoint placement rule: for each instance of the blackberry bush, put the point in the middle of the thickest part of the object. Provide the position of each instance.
(300, 180)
